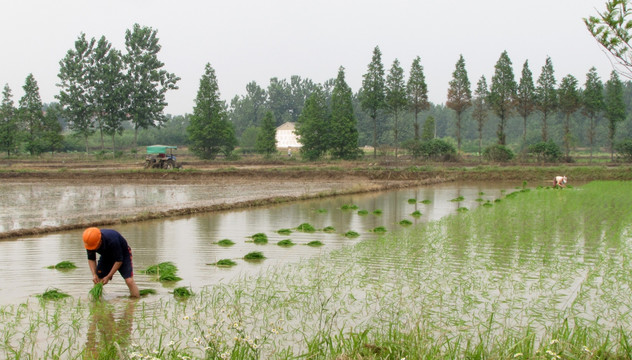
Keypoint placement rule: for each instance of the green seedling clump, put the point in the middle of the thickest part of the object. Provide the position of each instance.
(488, 204)
(349, 207)
(52, 294)
(363, 212)
(462, 209)
(64, 265)
(480, 193)
(260, 238)
(305, 227)
(225, 242)
(284, 231)
(460, 198)
(412, 201)
(163, 267)
(379, 230)
(315, 243)
(377, 212)
(426, 201)
(182, 292)
(479, 200)
(405, 222)
(145, 292)
(97, 291)
(351, 234)
(255, 255)
(416, 213)
(226, 263)
(322, 211)
(329, 229)
(286, 242)
(169, 277)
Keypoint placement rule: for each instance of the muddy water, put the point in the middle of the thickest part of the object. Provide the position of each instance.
(189, 242)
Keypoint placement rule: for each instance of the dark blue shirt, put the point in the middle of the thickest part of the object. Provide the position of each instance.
(113, 247)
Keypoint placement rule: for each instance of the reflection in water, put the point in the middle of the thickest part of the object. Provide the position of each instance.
(107, 330)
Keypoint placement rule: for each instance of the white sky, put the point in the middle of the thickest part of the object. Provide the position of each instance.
(246, 40)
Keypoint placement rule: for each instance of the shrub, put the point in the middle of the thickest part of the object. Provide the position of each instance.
(624, 149)
(546, 151)
(435, 149)
(498, 152)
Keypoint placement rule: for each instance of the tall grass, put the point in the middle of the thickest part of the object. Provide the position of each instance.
(542, 274)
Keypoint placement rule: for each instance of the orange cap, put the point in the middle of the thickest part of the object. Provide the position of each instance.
(92, 238)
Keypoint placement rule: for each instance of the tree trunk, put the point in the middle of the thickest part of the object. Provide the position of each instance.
(375, 136)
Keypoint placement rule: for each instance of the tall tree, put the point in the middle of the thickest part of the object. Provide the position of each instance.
(9, 130)
(314, 126)
(372, 95)
(592, 104)
(569, 100)
(147, 82)
(459, 96)
(417, 92)
(51, 138)
(76, 88)
(209, 129)
(545, 95)
(481, 110)
(502, 94)
(428, 130)
(257, 96)
(615, 107)
(525, 98)
(344, 129)
(31, 115)
(395, 98)
(110, 93)
(611, 28)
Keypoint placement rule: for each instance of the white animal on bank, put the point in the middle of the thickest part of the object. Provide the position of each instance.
(559, 181)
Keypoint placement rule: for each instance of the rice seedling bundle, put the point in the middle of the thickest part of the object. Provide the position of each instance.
(145, 292)
(63, 265)
(426, 201)
(225, 242)
(416, 213)
(97, 291)
(53, 294)
(166, 271)
(363, 212)
(412, 201)
(260, 238)
(349, 207)
(182, 292)
(462, 209)
(329, 229)
(322, 211)
(405, 222)
(255, 255)
(225, 263)
(306, 227)
(351, 234)
(284, 231)
(379, 230)
(377, 212)
(286, 242)
(456, 199)
(315, 243)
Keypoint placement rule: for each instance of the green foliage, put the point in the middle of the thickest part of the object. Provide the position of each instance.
(525, 97)
(481, 109)
(266, 139)
(546, 151)
(96, 292)
(416, 213)
(209, 130)
(260, 238)
(435, 149)
(428, 130)
(615, 107)
(31, 116)
(546, 95)
(377, 212)
(9, 130)
(314, 126)
(379, 230)
(63, 265)
(248, 139)
(592, 103)
(286, 242)
(624, 149)
(166, 271)
(363, 212)
(417, 92)
(182, 292)
(395, 98)
(225, 242)
(611, 28)
(569, 100)
(498, 153)
(255, 255)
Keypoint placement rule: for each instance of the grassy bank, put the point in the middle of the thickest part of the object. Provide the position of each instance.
(541, 274)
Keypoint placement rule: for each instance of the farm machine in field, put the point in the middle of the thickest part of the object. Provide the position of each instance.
(161, 157)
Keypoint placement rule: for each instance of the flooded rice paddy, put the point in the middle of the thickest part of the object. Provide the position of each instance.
(488, 264)
(190, 242)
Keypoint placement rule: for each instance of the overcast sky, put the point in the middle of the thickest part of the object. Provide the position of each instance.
(255, 40)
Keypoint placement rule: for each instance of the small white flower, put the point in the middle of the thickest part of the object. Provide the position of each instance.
(517, 355)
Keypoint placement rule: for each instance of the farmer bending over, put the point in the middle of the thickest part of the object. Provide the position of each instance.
(559, 181)
(116, 255)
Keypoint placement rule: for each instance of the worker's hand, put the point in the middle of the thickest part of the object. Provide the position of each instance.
(105, 280)
(95, 278)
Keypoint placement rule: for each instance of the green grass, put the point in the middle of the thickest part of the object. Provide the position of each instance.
(286, 242)
(53, 294)
(225, 242)
(63, 265)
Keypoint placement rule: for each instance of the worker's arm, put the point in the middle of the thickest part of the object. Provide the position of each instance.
(93, 269)
(115, 268)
